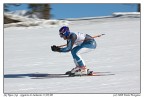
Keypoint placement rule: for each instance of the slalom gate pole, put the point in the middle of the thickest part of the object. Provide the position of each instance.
(83, 40)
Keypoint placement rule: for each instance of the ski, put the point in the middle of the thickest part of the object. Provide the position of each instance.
(42, 76)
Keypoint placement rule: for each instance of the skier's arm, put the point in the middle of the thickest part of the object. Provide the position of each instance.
(70, 43)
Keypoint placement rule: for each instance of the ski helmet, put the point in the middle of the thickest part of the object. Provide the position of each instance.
(64, 31)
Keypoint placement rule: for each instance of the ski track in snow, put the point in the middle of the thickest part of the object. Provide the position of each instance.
(27, 50)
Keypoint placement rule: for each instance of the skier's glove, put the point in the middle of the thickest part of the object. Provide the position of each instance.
(55, 48)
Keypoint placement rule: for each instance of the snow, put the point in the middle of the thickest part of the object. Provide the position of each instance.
(27, 22)
(27, 51)
(24, 13)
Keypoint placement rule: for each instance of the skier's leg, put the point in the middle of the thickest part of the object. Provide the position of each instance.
(88, 46)
(80, 68)
(80, 65)
(77, 58)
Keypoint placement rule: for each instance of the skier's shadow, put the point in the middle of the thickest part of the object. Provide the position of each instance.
(34, 76)
(20, 75)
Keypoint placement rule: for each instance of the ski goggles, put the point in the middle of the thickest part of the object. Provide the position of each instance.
(62, 34)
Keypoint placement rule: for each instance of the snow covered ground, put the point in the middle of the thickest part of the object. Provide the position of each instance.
(27, 51)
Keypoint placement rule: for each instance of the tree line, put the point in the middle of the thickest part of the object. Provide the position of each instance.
(43, 9)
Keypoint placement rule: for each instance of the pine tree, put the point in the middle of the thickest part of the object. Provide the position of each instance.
(43, 9)
(139, 8)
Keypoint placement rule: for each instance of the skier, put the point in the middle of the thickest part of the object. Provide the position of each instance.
(81, 41)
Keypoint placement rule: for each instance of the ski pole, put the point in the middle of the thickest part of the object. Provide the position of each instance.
(83, 40)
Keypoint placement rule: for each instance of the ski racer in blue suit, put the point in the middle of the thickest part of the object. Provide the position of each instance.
(81, 41)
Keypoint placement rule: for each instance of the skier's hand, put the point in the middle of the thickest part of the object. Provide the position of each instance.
(55, 48)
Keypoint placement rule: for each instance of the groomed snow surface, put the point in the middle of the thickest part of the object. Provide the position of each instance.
(27, 51)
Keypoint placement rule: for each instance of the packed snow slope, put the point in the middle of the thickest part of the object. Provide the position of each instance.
(27, 51)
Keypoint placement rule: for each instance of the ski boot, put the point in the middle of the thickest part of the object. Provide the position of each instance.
(72, 71)
(78, 71)
(90, 73)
